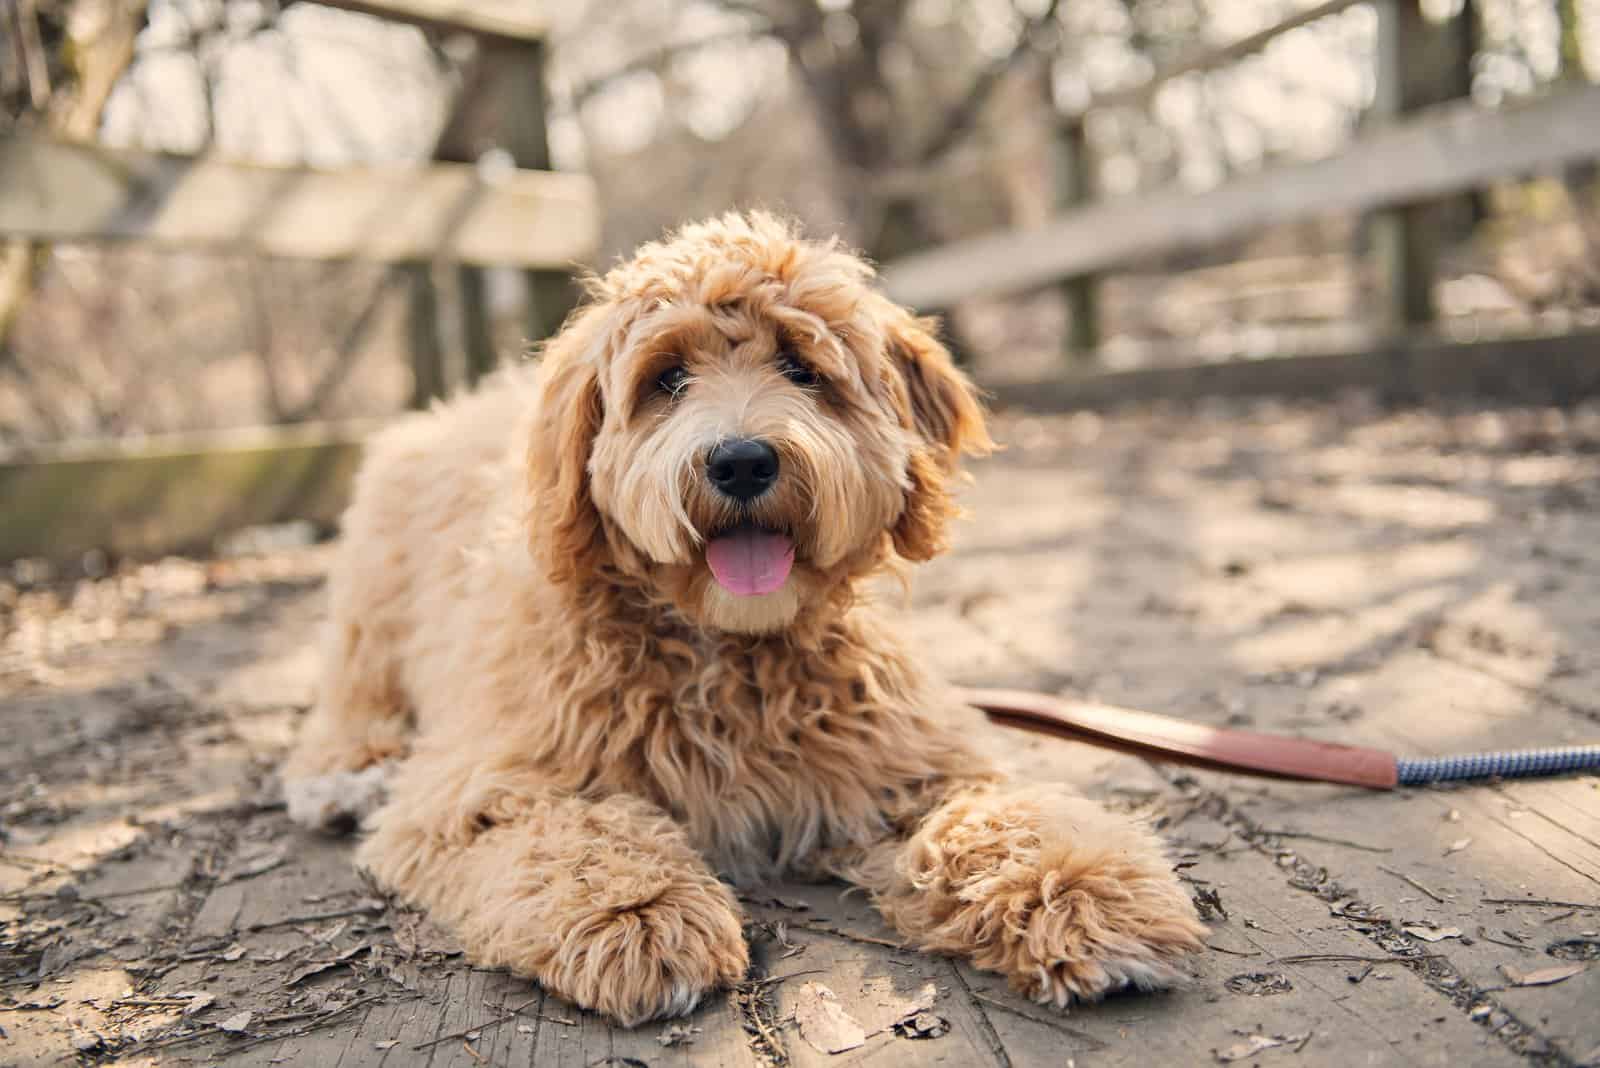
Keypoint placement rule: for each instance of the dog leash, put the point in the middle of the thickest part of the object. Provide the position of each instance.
(1253, 753)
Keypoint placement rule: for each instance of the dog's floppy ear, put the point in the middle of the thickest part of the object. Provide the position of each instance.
(571, 541)
(941, 405)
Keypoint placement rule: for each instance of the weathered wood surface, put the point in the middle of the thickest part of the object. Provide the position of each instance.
(1531, 370)
(60, 191)
(173, 493)
(1414, 581)
(1450, 149)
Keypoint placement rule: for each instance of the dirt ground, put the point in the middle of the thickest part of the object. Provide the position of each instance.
(1425, 582)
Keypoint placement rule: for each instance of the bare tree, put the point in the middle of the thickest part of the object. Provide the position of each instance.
(874, 129)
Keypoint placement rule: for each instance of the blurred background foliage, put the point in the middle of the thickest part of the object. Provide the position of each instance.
(896, 123)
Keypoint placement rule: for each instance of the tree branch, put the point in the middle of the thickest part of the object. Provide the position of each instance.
(655, 60)
(962, 117)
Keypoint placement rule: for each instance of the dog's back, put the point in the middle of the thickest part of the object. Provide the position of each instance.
(430, 491)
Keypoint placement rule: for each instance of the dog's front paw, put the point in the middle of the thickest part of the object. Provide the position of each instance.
(1066, 900)
(642, 960)
(1079, 932)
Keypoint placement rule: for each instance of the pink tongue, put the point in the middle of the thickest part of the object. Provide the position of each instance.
(750, 562)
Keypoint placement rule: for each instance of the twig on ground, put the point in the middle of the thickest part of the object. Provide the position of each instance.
(1346, 958)
(496, 1022)
(1230, 952)
(1325, 839)
(315, 1025)
(17, 899)
(22, 860)
(1403, 877)
(771, 979)
(1540, 903)
(337, 914)
(295, 1032)
(850, 936)
(1484, 934)
(1041, 1020)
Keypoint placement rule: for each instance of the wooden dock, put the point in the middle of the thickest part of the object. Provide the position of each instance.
(1420, 581)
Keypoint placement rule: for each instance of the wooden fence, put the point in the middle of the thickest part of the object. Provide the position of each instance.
(178, 492)
(1422, 147)
(1418, 150)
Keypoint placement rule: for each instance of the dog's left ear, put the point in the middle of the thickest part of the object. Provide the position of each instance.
(941, 405)
(570, 409)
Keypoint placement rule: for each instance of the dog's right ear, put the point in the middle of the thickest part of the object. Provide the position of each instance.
(570, 542)
(940, 405)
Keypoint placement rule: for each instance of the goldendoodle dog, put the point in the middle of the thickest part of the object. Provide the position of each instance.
(603, 628)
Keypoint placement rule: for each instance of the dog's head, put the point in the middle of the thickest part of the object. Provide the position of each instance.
(738, 424)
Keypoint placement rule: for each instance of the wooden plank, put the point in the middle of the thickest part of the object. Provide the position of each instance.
(60, 191)
(1539, 370)
(1449, 150)
(513, 20)
(173, 493)
(1440, 859)
(1391, 1017)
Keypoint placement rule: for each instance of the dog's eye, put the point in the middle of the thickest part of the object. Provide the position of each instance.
(672, 381)
(795, 371)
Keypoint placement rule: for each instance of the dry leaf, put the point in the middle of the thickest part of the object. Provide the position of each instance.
(388, 1043)
(1254, 1044)
(1458, 845)
(1544, 976)
(792, 906)
(824, 1023)
(1431, 934)
(199, 1000)
(880, 1006)
(256, 862)
(317, 967)
(922, 1025)
(236, 1023)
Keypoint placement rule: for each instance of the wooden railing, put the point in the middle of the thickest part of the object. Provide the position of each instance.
(173, 493)
(58, 191)
(1411, 156)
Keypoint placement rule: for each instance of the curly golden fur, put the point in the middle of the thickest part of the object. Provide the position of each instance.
(588, 732)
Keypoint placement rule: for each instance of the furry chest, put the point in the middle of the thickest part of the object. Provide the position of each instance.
(757, 810)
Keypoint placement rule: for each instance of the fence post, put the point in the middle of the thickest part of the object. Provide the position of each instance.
(503, 104)
(1403, 237)
(477, 333)
(551, 294)
(422, 333)
(1075, 187)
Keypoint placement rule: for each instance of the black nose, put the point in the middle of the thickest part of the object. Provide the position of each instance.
(743, 468)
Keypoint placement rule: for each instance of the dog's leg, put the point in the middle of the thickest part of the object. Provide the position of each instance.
(334, 777)
(1066, 899)
(604, 902)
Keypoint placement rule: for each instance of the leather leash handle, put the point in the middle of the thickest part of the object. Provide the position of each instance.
(1180, 741)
